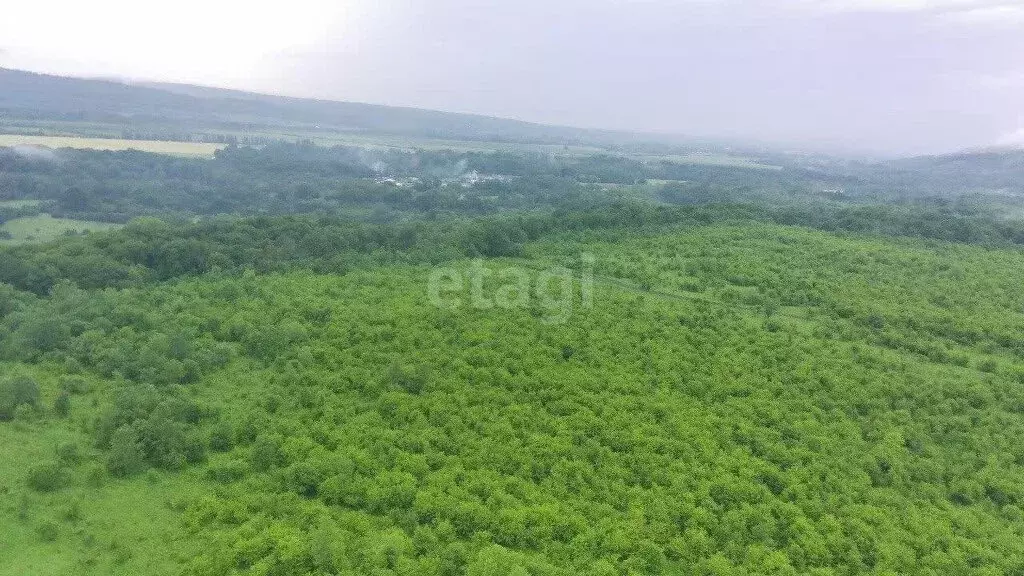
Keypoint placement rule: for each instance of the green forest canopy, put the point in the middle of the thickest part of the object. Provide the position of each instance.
(745, 397)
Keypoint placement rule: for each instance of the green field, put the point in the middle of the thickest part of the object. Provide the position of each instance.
(710, 159)
(194, 149)
(19, 203)
(98, 526)
(44, 228)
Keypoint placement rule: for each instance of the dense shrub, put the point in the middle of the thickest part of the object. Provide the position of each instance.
(62, 404)
(16, 392)
(126, 456)
(46, 477)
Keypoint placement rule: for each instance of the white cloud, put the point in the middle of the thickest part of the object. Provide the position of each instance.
(873, 5)
(1012, 139)
(1003, 81)
(970, 9)
(187, 39)
(1001, 15)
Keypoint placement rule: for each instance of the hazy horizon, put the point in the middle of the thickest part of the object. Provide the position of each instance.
(896, 77)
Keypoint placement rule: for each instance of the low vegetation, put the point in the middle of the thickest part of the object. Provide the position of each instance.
(188, 149)
(45, 228)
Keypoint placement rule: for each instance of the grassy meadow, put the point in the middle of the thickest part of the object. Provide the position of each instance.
(19, 203)
(192, 149)
(43, 228)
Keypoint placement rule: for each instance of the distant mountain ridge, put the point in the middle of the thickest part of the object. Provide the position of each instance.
(1002, 167)
(31, 96)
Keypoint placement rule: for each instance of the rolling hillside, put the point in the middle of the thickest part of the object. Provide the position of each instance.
(27, 96)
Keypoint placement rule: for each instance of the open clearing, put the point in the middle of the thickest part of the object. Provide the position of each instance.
(710, 159)
(18, 203)
(194, 149)
(44, 227)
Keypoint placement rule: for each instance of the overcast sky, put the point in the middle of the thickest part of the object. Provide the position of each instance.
(897, 76)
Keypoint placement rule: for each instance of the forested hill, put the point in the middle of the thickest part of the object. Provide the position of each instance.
(993, 169)
(987, 171)
(42, 97)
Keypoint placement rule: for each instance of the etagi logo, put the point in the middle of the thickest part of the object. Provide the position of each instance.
(482, 287)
